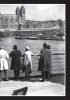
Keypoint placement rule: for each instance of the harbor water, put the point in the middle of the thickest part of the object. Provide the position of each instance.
(58, 61)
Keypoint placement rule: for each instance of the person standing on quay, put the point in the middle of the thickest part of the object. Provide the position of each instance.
(27, 62)
(3, 62)
(45, 62)
(16, 61)
(48, 71)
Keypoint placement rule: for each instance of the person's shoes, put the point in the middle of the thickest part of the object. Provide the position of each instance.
(16, 79)
(47, 79)
(42, 80)
(7, 79)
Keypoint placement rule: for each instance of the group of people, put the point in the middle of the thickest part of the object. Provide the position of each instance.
(44, 64)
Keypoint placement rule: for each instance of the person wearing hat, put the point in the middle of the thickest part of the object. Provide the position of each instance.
(16, 61)
(48, 46)
(45, 62)
(49, 71)
(27, 62)
(3, 62)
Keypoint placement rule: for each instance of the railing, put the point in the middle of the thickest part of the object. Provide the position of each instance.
(57, 63)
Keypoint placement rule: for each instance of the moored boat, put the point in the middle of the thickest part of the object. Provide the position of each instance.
(32, 38)
(46, 38)
(21, 37)
(57, 39)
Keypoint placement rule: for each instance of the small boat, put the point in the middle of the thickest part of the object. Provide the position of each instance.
(21, 37)
(32, 38)
(46, 38)
(4, 34)
(37, 37)
(57, 39)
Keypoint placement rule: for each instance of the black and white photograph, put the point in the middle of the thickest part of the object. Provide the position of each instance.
(32, 50)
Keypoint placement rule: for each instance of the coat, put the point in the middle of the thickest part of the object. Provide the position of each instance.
(27, 62)
(16, 61)
(45, 60)
(3, 59)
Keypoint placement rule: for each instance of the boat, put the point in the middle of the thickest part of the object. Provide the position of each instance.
(41, 37)
(57, 39)
(37, 37)
(32, 38)
(21, 37)
(44, 38)
(4, 34)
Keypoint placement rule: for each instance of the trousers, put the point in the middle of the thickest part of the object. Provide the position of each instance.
(16, 73)
(45, 75)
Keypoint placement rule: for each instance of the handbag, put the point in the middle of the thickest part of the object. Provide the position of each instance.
(23, 65)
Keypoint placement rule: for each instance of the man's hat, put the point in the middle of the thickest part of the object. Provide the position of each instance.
(27, 48)
(48, 46)
(45, 45)
(15, 47)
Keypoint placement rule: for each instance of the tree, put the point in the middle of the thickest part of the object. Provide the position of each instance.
(60, 23)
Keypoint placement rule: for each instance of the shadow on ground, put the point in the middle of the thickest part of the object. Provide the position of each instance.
(55, 78)
(58, 78)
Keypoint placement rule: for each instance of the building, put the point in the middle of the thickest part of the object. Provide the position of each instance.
(13, 21)
(18, 21)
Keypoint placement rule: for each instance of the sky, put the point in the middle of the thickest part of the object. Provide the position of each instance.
(39, 12)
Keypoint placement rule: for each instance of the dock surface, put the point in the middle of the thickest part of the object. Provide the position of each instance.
(54, 87)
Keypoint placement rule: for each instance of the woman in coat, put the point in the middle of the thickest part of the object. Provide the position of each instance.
(16, 61)
(27, 62)
(3, 62)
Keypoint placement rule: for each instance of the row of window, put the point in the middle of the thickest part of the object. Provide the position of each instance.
(8, 20)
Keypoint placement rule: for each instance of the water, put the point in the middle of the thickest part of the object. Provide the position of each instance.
(58, 61)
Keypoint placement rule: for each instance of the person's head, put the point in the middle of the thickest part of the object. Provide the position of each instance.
(44, 45)
(48, 46)
(26, 48)
(15, 47)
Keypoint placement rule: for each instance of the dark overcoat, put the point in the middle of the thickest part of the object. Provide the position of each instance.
(16, 61)
(45, 60)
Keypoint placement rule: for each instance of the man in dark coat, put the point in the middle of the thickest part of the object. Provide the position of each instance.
(15, 62)
(45, 62)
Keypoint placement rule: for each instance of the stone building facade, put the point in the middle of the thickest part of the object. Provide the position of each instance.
(8, 21)
(12, 21)
(18, 21)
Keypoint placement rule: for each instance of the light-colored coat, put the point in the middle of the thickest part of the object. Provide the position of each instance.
(3, 59)
(28, 61)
